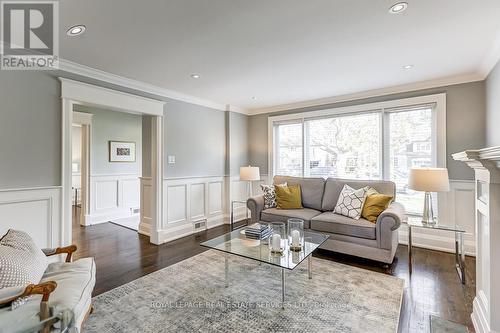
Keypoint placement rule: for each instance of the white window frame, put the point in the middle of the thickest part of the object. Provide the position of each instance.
(438, 101)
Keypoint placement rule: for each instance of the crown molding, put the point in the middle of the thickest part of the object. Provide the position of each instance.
(373, 93)
(97, 74)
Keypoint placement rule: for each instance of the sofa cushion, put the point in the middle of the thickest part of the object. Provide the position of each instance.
(22, 262)
(338, 224)
(282, 215)
(75, 282)
(333, 187)
(311, 188)
(288, 197)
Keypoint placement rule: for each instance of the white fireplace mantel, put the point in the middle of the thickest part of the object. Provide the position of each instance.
(486, 306)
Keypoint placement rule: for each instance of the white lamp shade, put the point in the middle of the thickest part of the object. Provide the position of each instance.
(429, 179)
(249, 173)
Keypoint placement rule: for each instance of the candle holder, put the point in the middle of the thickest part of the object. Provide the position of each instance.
(277, 240)
(296, 234)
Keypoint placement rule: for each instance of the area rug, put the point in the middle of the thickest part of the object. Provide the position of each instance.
(191, 296)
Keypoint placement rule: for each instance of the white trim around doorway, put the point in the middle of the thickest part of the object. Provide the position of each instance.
(74, 92)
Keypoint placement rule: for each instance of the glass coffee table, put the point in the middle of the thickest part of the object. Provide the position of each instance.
(236, 243)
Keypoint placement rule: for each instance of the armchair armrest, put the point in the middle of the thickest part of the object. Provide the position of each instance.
(387, 224)
(256, 205)
(8, 295)
(67, 249)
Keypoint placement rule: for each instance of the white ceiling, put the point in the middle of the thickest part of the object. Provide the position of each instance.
(281, 51)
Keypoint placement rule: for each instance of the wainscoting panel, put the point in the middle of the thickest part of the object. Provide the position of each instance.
(459, 211)
(189, 200)
(215, 199)
(176, 203)
(112, 197)
(36, 211)
(197, 201)
(146, 220)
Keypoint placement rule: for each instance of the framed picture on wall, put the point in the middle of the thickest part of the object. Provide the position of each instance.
(121, 151)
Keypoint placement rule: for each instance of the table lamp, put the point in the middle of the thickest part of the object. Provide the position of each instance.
(249, 174)
(429, 180)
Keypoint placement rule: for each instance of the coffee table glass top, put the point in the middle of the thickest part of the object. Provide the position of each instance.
(236, 243)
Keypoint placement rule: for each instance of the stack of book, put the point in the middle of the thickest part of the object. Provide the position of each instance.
(258, 231)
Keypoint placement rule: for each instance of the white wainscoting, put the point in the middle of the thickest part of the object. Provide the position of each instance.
(189, 200)
(36, 211)
(112, 197)
(459, 210)
(146, 220)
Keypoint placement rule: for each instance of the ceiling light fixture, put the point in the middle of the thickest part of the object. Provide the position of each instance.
(195, 76)
(76, 30)
(408, 67)
(398, 8)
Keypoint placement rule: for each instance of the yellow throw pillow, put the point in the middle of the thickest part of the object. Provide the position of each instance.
(288, 197)
(375, 204)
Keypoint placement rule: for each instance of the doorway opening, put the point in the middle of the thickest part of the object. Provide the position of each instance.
(103, 176)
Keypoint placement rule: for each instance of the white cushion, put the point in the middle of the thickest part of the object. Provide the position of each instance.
(350, 202)
(270, 194)
(75, 282)
(22, 262)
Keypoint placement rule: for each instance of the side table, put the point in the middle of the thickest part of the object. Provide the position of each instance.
(232, 211)
(414, 222)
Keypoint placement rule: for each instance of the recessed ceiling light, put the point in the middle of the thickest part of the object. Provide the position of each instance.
(76, 30)
(408, 67)
(195, 76)
(398, 8)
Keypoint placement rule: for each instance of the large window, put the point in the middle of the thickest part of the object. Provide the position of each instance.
(381, 143)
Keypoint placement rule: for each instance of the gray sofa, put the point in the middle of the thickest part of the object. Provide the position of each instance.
(377, 241)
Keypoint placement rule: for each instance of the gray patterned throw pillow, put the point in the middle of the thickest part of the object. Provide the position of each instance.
(351, 201)
(270, 195)
(22, 262)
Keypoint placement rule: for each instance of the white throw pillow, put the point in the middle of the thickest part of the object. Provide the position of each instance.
(350, 202)
(22, 262)
(270, 195)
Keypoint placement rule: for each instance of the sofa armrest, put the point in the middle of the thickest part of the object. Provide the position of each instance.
(256, 206)
(388, 222)
(67, 249)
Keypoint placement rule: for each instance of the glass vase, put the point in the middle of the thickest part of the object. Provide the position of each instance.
(277, 240)
(296, 234)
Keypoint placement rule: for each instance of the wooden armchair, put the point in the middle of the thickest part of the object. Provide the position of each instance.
(44, 289)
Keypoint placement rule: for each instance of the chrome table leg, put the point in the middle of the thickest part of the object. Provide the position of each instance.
(283, 288)
(309, 266)
(409, 251)
(460, 256)
(226, 270)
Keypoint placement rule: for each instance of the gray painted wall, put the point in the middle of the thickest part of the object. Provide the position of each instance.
(238, 136)
(113, 126)
(30, 129)
(466, 123)
(493, 107)
(196, 136)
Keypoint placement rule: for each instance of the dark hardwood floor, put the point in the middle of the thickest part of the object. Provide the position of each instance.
(123, 255)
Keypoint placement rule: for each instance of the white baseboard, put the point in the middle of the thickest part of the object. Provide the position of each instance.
(106, 217)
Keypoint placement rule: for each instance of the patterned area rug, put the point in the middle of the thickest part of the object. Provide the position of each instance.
(190, 296)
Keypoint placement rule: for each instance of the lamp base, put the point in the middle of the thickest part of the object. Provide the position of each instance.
(428, 215)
